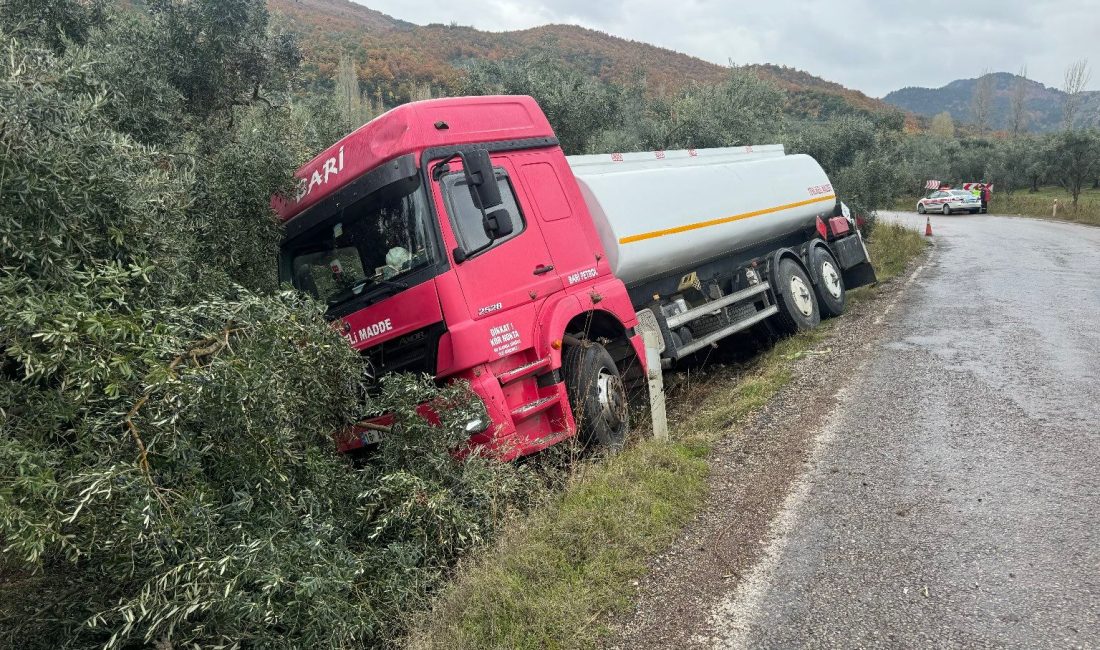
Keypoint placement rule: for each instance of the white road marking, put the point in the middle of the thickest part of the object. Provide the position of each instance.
(730, 621)
(908, 281)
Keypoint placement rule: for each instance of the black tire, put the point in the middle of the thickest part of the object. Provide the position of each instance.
(829, 281)
(946, 209)
(920, 208)
(791, 318)
(597, 395)
(973, 212)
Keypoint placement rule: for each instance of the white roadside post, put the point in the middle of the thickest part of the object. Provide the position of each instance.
(655, 380)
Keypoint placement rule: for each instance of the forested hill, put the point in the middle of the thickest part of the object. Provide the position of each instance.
(1043, 104)
(395, 57)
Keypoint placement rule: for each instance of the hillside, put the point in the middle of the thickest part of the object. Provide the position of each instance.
(396, 56)
(1043, 104)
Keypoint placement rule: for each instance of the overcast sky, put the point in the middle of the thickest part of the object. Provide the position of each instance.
(871, 46)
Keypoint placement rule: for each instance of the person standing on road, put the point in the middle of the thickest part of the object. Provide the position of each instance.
(985, 197)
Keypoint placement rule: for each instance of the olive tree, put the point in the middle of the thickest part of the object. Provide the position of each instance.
(862, 157)
(167, 470)
(970, 159)
(53, 23)
(1012, 163)
(577, 105)
(742, 110)
(924, 157)
(1073, 160)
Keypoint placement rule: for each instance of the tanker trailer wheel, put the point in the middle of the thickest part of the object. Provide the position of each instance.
(830, 286)
(798, 308)
(597, 395)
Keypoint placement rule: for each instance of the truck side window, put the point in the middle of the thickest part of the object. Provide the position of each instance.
(466, 218)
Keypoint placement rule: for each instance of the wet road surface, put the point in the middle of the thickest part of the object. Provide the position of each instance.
(952, 498)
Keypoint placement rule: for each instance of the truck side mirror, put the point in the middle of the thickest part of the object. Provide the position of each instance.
(485, 193)
(481, 180)
(498, 223)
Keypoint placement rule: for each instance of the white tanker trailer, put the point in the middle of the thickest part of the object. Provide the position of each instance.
(699, 236)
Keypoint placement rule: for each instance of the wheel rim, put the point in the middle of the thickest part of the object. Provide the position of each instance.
(803, 300)
(612, 398)
(946, 210)
(831, 278)
(920, 209)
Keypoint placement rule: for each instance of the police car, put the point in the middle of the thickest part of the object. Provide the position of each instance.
(948, 201)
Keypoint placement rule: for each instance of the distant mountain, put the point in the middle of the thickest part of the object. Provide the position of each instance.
(1043, 104)
(394, 54)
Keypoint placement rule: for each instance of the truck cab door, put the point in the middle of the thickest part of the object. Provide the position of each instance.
(517, 268)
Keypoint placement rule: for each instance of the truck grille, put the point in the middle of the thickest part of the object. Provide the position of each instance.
(414, 352)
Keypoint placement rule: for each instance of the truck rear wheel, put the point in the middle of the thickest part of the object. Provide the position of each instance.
(798, 308)
(830, 283)
(597, 395)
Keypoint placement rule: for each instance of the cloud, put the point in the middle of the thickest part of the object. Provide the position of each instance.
(873, 46)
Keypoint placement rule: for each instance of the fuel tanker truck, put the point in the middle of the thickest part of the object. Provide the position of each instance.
(453, 237)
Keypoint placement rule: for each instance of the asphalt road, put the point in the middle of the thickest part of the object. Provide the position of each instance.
(952, 498)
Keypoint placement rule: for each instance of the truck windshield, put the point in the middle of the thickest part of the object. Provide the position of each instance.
(375, 241)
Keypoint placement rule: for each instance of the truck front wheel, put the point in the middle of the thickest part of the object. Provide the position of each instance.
(797, 304)
(597, 395)
(830, 283)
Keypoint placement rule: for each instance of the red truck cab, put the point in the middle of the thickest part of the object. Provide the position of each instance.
(385, 229)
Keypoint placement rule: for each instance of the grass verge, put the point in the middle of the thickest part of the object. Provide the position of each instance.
(553, 576)
(892, 246)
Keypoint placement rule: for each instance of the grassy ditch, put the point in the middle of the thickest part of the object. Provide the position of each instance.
(1037, 204)
(892, 246)
(553, 575)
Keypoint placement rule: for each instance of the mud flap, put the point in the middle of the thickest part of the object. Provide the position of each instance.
(855, 263)
(859, 275)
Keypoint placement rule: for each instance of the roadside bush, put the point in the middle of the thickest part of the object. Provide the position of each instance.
(577, 105)
(167, 475)
(182, 488)
(862, 158)
(742, 110)
(592, 116)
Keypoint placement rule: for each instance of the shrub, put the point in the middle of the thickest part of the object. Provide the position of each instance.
(167, 474)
